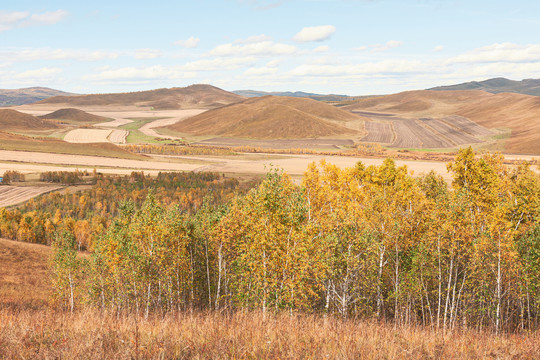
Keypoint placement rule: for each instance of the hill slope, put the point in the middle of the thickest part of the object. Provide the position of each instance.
(498, 85)
(12, 120)
(194, 96)
(270, 117)
(9, 97)
(74, 115)
(520, 113)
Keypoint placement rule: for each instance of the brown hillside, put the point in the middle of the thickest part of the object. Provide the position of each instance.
(270, 117)
(74, 115)
(13, 120)
(520, 113)
(194, 96)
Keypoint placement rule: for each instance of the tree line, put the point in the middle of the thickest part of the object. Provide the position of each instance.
(364, 242)
(88, 213)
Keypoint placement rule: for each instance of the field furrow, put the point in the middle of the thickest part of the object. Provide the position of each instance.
(410, 134)
(378, 132)
(456, 136)
(11, 195)
(467, 126)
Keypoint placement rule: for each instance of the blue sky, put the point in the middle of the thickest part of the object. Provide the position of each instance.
(354, 47)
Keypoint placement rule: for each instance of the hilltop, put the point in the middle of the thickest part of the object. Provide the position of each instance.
(10, 97)
(498, 85)
(75, 115)
(301, 94)
(516, 112)
(271, 117)
(13, 120)
(194, 96)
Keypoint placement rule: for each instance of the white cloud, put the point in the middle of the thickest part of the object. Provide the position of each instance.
(218, 64)
(20, 55)
(322, 48)
(315, 33)
(389, 45)
(147, 54)
(253, 39)
(503, 52)
(372, 68)
(190, 43)
(47, 18)
(38, 74)
(261, 48)
(14, 19)
(142, 73)
(438, 48)
(261, 71)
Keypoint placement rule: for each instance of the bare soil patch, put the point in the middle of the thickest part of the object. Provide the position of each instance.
(279, 144)
(12, 195)
(378, 132)
(87, 136)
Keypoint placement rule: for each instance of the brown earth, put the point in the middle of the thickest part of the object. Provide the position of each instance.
(75, 115)
(11, 195)
(520, 113)
(55, 146)
(271, 117)
(13, 120)
(194, 96)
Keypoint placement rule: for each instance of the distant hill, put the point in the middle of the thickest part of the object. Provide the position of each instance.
(11, 97)
(517, 112)
(498, 85)
(301, 94)
(270, 117)
(74, 115)
(194, 96)
(12, 120)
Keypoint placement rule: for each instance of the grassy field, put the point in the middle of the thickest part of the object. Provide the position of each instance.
(135, 135)
(31, 328)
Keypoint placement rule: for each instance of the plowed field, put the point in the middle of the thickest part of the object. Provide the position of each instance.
(448, 132)
(118, 136)
(467, 126)
(87, 136)
(11, 195)
(378, 132)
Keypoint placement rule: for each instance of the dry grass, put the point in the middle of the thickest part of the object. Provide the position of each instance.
(90, 334)
(271, 117)
(30, 329)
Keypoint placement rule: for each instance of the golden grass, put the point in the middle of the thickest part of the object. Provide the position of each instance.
(91, 334)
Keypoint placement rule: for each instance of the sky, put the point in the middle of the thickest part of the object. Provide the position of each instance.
(353, 47)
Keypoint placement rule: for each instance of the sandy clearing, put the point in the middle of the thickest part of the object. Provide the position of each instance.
(11, 195)
(148, 129)
(114, 123)
(91, 161)
(88, 135)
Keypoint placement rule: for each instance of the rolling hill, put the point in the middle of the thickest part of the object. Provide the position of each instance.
(10, 97)
(271, 117)
(301, 94)
(517, 112)
(74, 115)
(498, 85)
(194, 96)
(13, 120)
